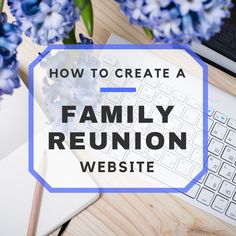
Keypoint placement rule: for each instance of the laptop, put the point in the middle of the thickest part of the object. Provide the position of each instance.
(215, 193)
(220, 50)
(18, 185)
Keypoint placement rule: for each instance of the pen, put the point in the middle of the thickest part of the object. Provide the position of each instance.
(36, 201)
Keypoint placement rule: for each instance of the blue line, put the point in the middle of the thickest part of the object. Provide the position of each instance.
(117, 90)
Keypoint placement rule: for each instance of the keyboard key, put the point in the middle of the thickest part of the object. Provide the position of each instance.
(234, 179)
(118, 81)
(167, 141)
(165, 88)
(205, 196)
(114, 97)
(147, 108)
(129, 100)
(98, 140)
(215, 147)
(133, 83)
(200, 124)
(118, 153)
(140, 127)
(190, 116)
(210, 123)
(143, 146)
(110, 60)
(197, 156)
(162, 100)
(193, 191)
(210, 111)
(209, 139)
(198, 139)
(157, 118)
(184, 167)
(227, 171)
(196, 170)
(229, 154)
(125, 121)
(178, 109)
(155, 154)
(185, 152)
(147, 94)
(231, 211)
(172, 125)
(96, 126)
(213, 163)
(219, 131)
(86, 138)
(231, 138)
(169, 160)
(227, 189)
(110, 128)
(220, 204)
(232, 123)
(202, 179)
(188, 130)
(128, 130)
(220, 117)
(193, 103)
(179, 96)
(212, 181)
(134, 156)
(151, 81)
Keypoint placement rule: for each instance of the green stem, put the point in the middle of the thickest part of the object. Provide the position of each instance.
(71, 37)
(1, 5)
(148, 32)
(86, 12)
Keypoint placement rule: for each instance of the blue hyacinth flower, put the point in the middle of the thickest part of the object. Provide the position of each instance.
(46, 21)
(178, 21)
(10, 38)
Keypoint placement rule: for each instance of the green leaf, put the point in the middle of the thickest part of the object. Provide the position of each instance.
(71, 38)
(86, 12)
(1, 5)
(148, 32)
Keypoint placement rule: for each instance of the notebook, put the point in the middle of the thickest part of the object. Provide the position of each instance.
(17, 184)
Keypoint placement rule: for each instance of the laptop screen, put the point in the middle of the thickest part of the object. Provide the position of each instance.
(224, 44)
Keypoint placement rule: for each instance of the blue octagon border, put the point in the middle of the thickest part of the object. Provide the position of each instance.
(117, 47)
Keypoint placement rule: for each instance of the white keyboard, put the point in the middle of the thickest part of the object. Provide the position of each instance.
(216, 203)
(216, 192)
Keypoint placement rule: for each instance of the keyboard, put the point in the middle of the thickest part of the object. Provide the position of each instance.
(216, 191)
